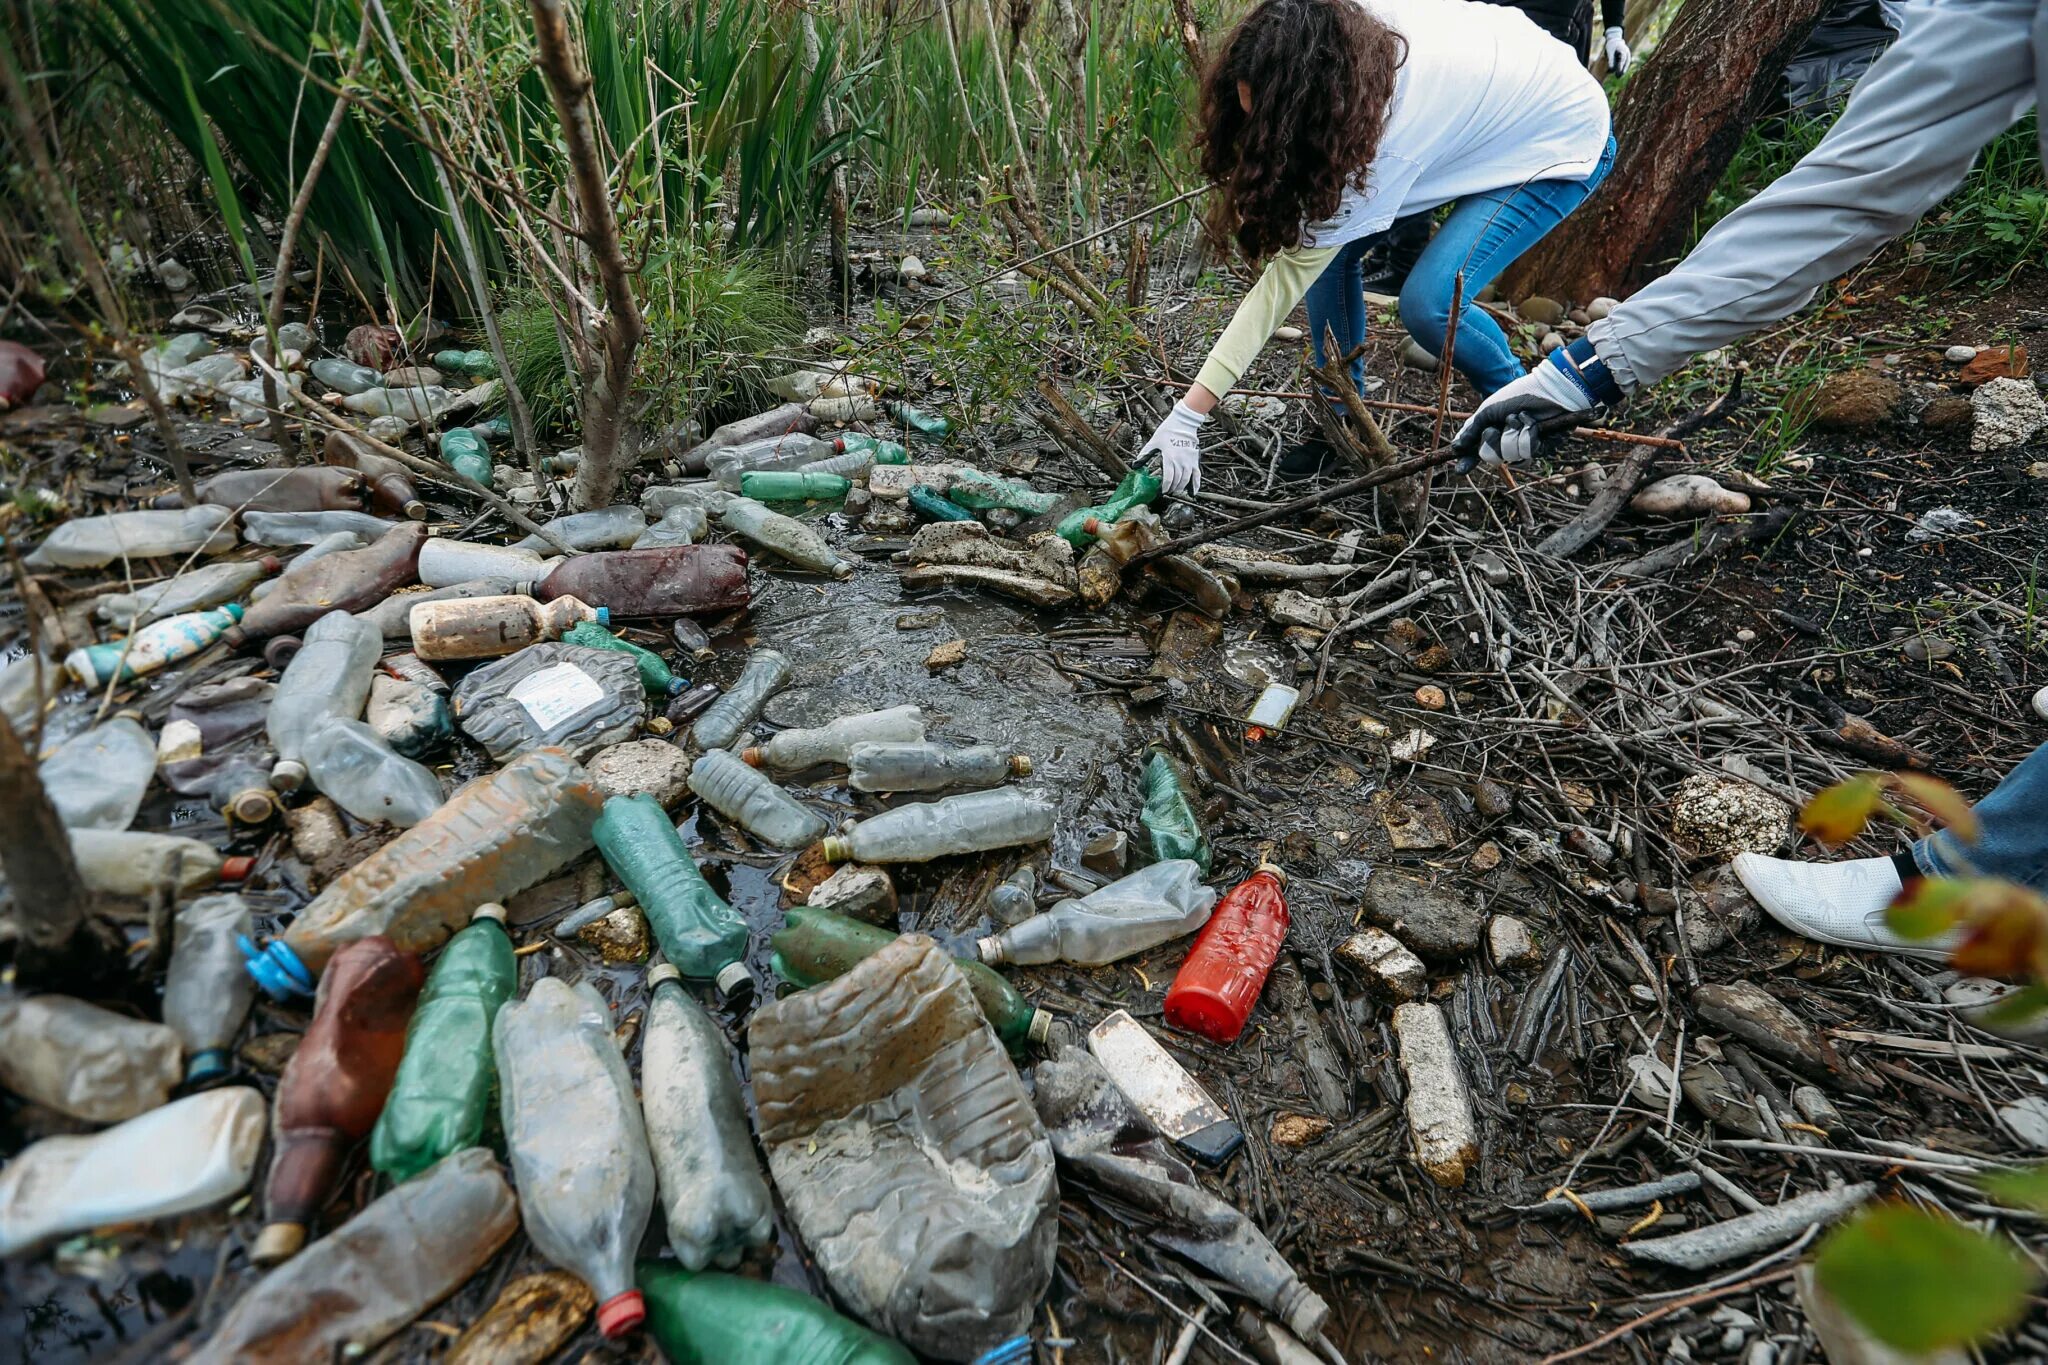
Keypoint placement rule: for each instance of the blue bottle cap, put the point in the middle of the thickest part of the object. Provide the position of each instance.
(604, 616)
(1015, 1351)
(206, 1067)
(678, 686)
(276, 968)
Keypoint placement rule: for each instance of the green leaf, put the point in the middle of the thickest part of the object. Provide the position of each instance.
(1839, 814)
(1919, 1281)
(1926, 906)
(2016, 1007)
(2023, 1188)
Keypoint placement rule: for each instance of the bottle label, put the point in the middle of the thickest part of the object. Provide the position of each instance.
(557, 693)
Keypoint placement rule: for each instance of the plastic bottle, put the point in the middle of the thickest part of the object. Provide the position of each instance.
(849, 464)
(345, 376)
(334, 1086)
(206, 993)
(134, 863)
(156, 646)
(1015, 897)
(308, 488)
(410, 717)
(81, 1060)
(783, 536)
(442, 1094)
(419, 404)
(291, 336)
(792, 485)
(349, 580)
(794, 750)
(1139, 487)
(654, 671)
(929, 425)
(376, 1273)
(1116, 545)
(712, 1191)
(1151, 906)
(974, 489)
(194, 591)
(182, 349)
(682, 524)
(353, 767)
(463, 451)
(774, 422)
(303, 528)
(328, 679)
(1216, 987)
(444, 563)
(924, 767)
(476, 364)
(767, 453)
(678, 580)
(96, 779)
(970, 823)
(752, 801)
(705, 1318)
(1171, 829)
(1272, 710)
(392, 492)
(578, 1149)
(606, 528)
(700, 935)
(818, 945)
(929, 503)
(94, 542)
(490, 627)
(766, 673)
(188, 1155)
(884, 452)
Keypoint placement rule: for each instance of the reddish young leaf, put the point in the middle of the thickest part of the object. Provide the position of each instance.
(1840, 813)
(1941, 801)
(2008, 931)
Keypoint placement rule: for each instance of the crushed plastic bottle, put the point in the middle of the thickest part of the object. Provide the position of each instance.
(774, 422)
(1171, 829)
(445, 563)
(210, 586)
(155, 647)
(1116, 545)
(783, 536)
(931, 426)
(489, 627)
(766, 673)
(308, 488)
(767, 454)
(578, 1148)
(970, 823)
(345, 376)
(884, 452)
(929, 503)
(926, 766)
(328, 679)
(751, 800)
(713, 1195)
(1138, 488)
(409, 716)
(682, 524)
(1216, 987)
(134, 863)
(340, 542)
(206, 993)
(352, 766)
(97, 778)
(985, 492)
(654, 671)
(605, 528)
(418, 404)
(441, 1096)
(792, 485)
(793, 751)
(705, 1318)
(348, 580)
(303, 528)
(95, 542)
(1153, 905)
(701, 936)
(81, 1060)
(563, 695)
(676, 580)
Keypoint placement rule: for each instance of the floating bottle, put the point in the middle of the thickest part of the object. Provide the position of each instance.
(766, 673)
(1272, 710)
(1216, 987)
(444, 563)
(984, 492)
(578, 1148)
(94, 542)
(447, 1079)
(677, 580)
(195, 590)
(345, 376)
(156, 646)
(308, 488)
(476, 364)
(328, 679)
(417, 404)
(924, 767)
(303, 528)
(701, 936)
(712, 1191)
(605, 528)
(783, 536)
(135, 863)
(1153, 905)
(929, 503)
(81, 1060)
(389, 483)
(752, 801)
(352, 766)
(969, 823)
(793, 751)
(774, 422)
(97, 778)
(705, 1318)
(463, 451)
(1171, 829)
(654, 670)
(1139, 487)
(682, 524)
(490, 627)
(206, 993)
(792, 485)
(334, 1086)
(351, 580)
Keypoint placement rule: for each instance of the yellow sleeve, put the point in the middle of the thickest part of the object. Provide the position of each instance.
(1287, 277)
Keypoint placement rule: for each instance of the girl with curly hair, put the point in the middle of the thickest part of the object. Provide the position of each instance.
(1322, 121)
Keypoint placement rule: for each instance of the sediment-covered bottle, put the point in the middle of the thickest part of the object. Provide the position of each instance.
(97, 778)
(1153, 905)
(750, 799)
(795, 750)
(705, 1318)
(1171, 828)
(490, 627)
(136, 863)
(156, 646)
(206, 993)
(675, 580)
(81, 1060)
(306, 488)
(388, 483)
(1213, 992)
(351, 765)
(303, 528)
(418, 404)
(94, 542)
(409, 716)
(444, 563)
(969, 823)
(602, 528)
(196, 590)
(701, 936)
(768, 453)
(929, 503)
(328, 679)
(984, 492)
(766, 673)
(785, 537)
(350, 580)
(926, 766)
(1139, 487)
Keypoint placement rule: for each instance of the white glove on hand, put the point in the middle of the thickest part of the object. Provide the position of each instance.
(1178, 443)
(1503, 429)
(1615, 44)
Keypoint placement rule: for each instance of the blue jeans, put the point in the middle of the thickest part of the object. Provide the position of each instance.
(2013, 841)
(1483, 236)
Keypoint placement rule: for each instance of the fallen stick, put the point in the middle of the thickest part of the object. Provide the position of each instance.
(1705, 1248)
(1609, 1201)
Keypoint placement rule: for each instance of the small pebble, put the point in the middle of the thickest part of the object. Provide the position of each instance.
(1431, 698)
(2041, 703)
(1957, 355)
(1746, 635)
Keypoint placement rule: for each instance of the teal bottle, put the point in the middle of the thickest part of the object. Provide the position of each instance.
(1139, 487)
(925, 424)
(655, 674)
(447, 1079)
(497, 428)
(931, 504)
(702, 936)
(476, 363)
(972, 488)
(462, 450)
(885, 452)
(705, 1318)
(791, 485)
(1168, 817)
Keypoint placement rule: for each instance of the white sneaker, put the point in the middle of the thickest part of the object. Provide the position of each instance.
(1838, 903)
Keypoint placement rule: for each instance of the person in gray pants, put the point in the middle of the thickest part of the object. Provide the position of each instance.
(1961, 72)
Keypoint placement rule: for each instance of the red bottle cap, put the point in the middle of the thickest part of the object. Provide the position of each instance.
(1201, 1011)
(237, 869)
(622, 1314)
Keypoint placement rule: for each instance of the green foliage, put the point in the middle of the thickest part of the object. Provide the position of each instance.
(1919, 1281)
(2025, 1187)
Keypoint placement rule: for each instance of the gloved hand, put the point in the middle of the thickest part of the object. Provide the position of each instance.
(1178, 443)
(1504, 428)
(1615, 44)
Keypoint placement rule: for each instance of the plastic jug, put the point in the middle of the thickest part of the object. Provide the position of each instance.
(578, 1149)
(81, 1060)
(969, 823)
(96, 779)
(604, 528)
(206, 993)
(135, 863)
(700, 935)
(766, 673)
(924, 767)
(488, 627)
(712, 1319)
(676, 580)
(783, 536)
(351, 581)
(751, 800)
(444, 563)
(1171, 829)
(351, 765)
(1216, 987)
(156, 646)
(93, 542)
(303, 528)
(328, 679)
(795, 750)
(196, 590)
(1151, 906)
(654, 671)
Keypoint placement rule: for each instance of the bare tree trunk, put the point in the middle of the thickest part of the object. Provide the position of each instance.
(1679, 123)
(50, 898)
(839, 258)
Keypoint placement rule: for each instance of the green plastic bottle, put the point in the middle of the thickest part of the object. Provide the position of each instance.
(463, 451)
(497, 428)
(444, 1090)
(655, 674)
(972, 488)
(465, 362)
(1140, 487)
(931, 504)
(885, 452)
(1168, 817)
(791, 485)
(818, 945)
(923, 423)
(702, 936)
(705, 1318)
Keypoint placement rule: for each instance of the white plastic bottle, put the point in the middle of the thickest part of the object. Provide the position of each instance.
(794, 750)
(84, 1061)
(304, 528)
(93, 542)
(444, 563)
(489, 627)
(420, 404)
(602, 528)
(206, 992)
(751, 800)
(96, 779)
(926, 767)
(970, 823)
(328, 678)
(134, 862)
(1151, 906)
(766, 674)
(351, 765)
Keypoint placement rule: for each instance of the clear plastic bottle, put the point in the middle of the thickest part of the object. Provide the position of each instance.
(345, 376)
(444, 563)
(851, 464)
(206, 993)
(605, 528)
(328, 678)
(421, 404)
(776, 421)
(783, 536)
(303, 528)
(578, 1148)
(490, 627)
(94, 542)
(249, 400)
(712, 1190)
(925, 767)
(766, 673)
(194, 591)
(135, 863)
(189, 1154)
(749, 799)
(733, 1320)
(701, 936)
(970, 823)
(97, 778)
(767, 453)
(1151, 906)
(156, 646)
(1015, 897)
(794, 750)
(81, 1060)
(353, 767)
(682, 524)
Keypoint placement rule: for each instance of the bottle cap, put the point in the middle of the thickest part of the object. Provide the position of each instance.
(621, 1314)
(252, 805)
(272, 564)
(288, 775)
(1039, 1027)
(835, 848)
(277, 969)
(734, 978)
(604, 615)
(1015, 1351)
(1092, 525)
(489, 910)
(751, 755)
(662, 971)
(414, 510)
(278, 1242)
(237, 869)
(677, 686)
(1020, 765)
(205, 1067)
(1274, 868)
(842, 568)
(281, 650)
(990, 949)
(234, 610)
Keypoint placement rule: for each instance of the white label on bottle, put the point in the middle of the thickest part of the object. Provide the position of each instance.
(556, 693)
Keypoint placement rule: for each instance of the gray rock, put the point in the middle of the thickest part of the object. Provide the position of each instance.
(1107, 854)
(1436, 921)
(1601, 307)
(2009, 413)
(859, 890)
(1957, 355)
(1537, 308)
(1512, 945)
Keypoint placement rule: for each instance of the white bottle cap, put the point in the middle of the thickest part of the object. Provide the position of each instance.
(733, 978)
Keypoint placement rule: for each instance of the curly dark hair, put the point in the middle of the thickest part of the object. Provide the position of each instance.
(1322, 75)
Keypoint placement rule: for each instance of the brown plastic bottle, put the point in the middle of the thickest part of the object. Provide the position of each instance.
(391, 489)
(348, 581)
(313, 488)
(335, 1085)
(674, 580)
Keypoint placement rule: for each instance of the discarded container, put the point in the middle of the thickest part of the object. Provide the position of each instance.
(578, 1150)
(711, 1319)
(701, 936)
(409, 716)
(1171, 829)
(94, 542)
(134, 863)
(654, 670)
(795, 750)
(984, 492)
(1138, 488)
(391, 490)
(925, 766)
(156, 646)
(1100, 570)
(970, 823)
(419, 404)
(792, 485)
(328, 679)
(677, 580)
(441, 1095)
(463, 451)
(444, 563)
(351, 581)
(682, 524)
(195, 590)
(604, 528)
(1153, 905)
(712, 1191)
(307, 488)
(768, 453)
(751, 800)
(1219, 982)
(1159, 1086)
(774, 422)
(345, 376)
(81, 1060)
(929, 425)
(476, 364)
(564, 695)
(187, 1155)
(206, 993)
(884, 452)
(351, 765)
(938, 1223)
(303, 528)
(783, 536)
(929, 503)
(849, 464)
(97, 778)
(334, 1086)
(1015, 897)
(1272, 710)
(490, 627)
(766, 673)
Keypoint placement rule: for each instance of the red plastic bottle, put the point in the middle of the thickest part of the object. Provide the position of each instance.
(1216, 987)
(674, 580)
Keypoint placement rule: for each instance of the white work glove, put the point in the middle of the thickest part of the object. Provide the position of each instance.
(1503, 429)
(1615, 44)
(1178, 443)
